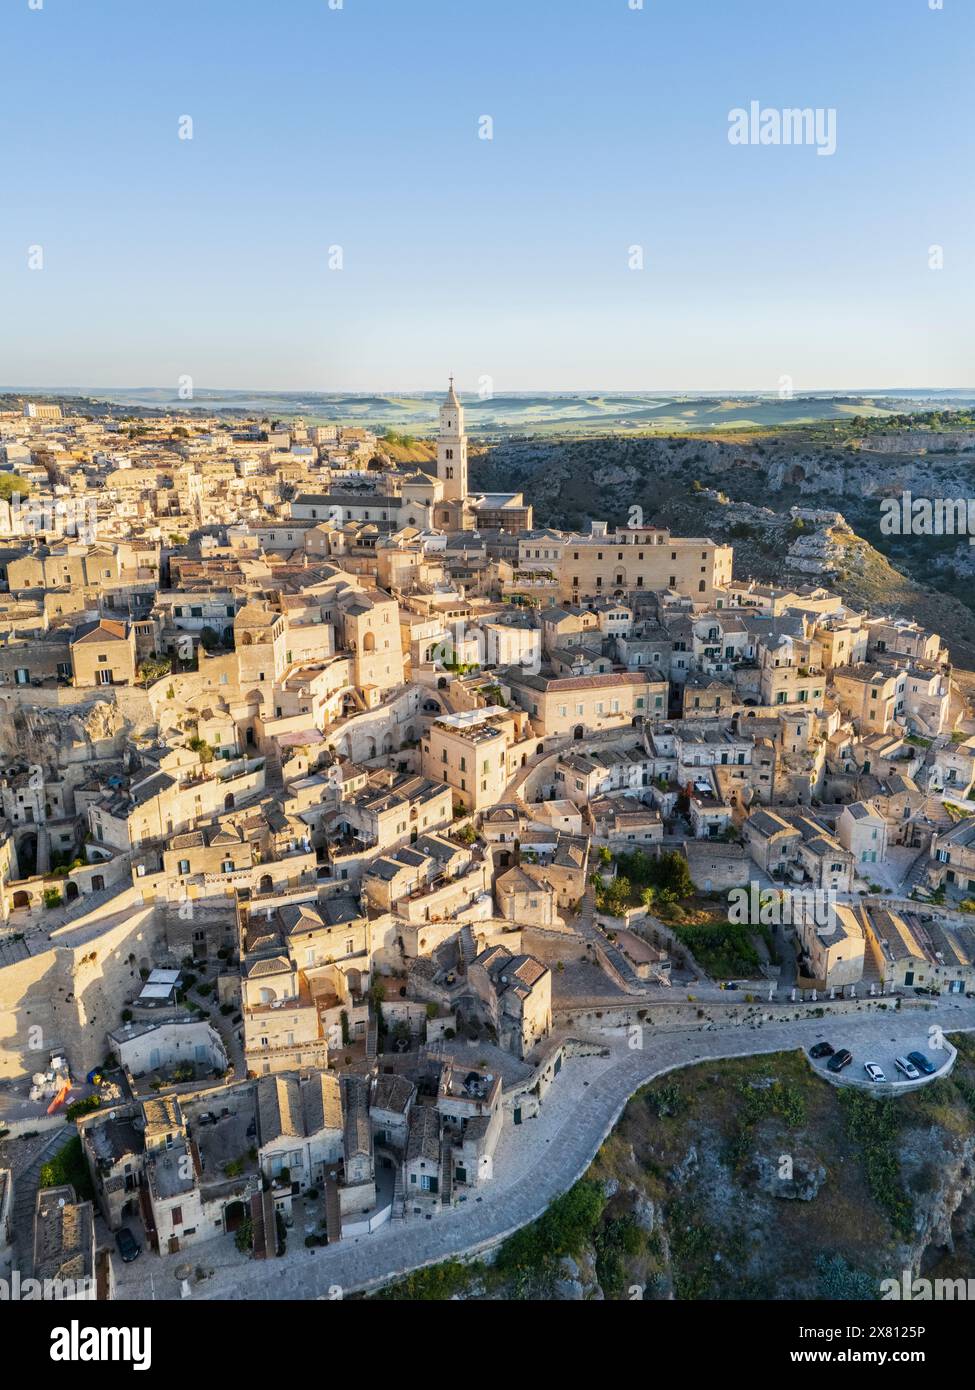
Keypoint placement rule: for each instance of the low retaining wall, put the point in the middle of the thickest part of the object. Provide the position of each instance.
(677, 1017)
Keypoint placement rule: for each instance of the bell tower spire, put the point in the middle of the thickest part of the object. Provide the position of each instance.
(452, 448)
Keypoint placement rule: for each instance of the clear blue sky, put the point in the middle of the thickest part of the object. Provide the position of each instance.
(507, 258)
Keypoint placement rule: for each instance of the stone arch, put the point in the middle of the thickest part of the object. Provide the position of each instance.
(266, 884)
(368, 642)
(578, 731)
(228, 802)
(71, 890)
(26, 843)
(21, 898)
(97, 883)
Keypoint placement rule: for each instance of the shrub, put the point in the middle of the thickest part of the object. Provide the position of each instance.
(838, 1280)
(82, 1107)
(531, 1255)
(872, 1124)
(68, 1166)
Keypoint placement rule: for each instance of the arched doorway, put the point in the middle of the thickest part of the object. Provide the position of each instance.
(97, 883)
(21, 898)
(266, 884)
(70, 890)
(228, 802)
(578, 731)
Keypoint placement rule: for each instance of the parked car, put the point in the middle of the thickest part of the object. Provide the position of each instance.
(839, 1060)
(907, 1068)
(923, 1064)
(822, 1049)
(207, 1118)
(128, 1247)
(731, 984)
(924, 989)
(874, 1072)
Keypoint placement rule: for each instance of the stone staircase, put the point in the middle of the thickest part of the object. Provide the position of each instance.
(467, 945)
(399, 1196)
(90, 901)
(871, 972)
(333, 1211)
(447, 1173)
(273, 777)
(917, 873)
(26, 1186)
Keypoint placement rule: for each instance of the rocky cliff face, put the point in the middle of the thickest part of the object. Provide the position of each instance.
(752, 1179)
(54, 736)
(743, 491)
(766, 1183)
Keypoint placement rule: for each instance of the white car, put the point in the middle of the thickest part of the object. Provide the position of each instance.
(907, 1068)
(873, 1071)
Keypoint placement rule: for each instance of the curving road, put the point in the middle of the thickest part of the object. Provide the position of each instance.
(535, 1162)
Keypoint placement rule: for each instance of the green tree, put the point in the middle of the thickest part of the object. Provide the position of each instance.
(13, 485)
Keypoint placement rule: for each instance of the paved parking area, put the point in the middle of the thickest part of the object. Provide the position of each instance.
(882, 1050)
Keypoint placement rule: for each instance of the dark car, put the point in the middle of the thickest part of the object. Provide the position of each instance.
(922, 1063)
(128, 1247)
(822, 1049)
(924, 989)
(839, 1060)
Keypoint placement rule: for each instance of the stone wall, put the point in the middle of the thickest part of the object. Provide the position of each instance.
(676, 1016)
(70, 994)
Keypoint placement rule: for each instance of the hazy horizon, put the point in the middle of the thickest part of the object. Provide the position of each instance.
(471, 394)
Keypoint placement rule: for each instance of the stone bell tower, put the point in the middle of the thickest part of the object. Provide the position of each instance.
(452, 448)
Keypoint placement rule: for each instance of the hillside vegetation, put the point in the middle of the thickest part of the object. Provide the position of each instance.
(750, 1179)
